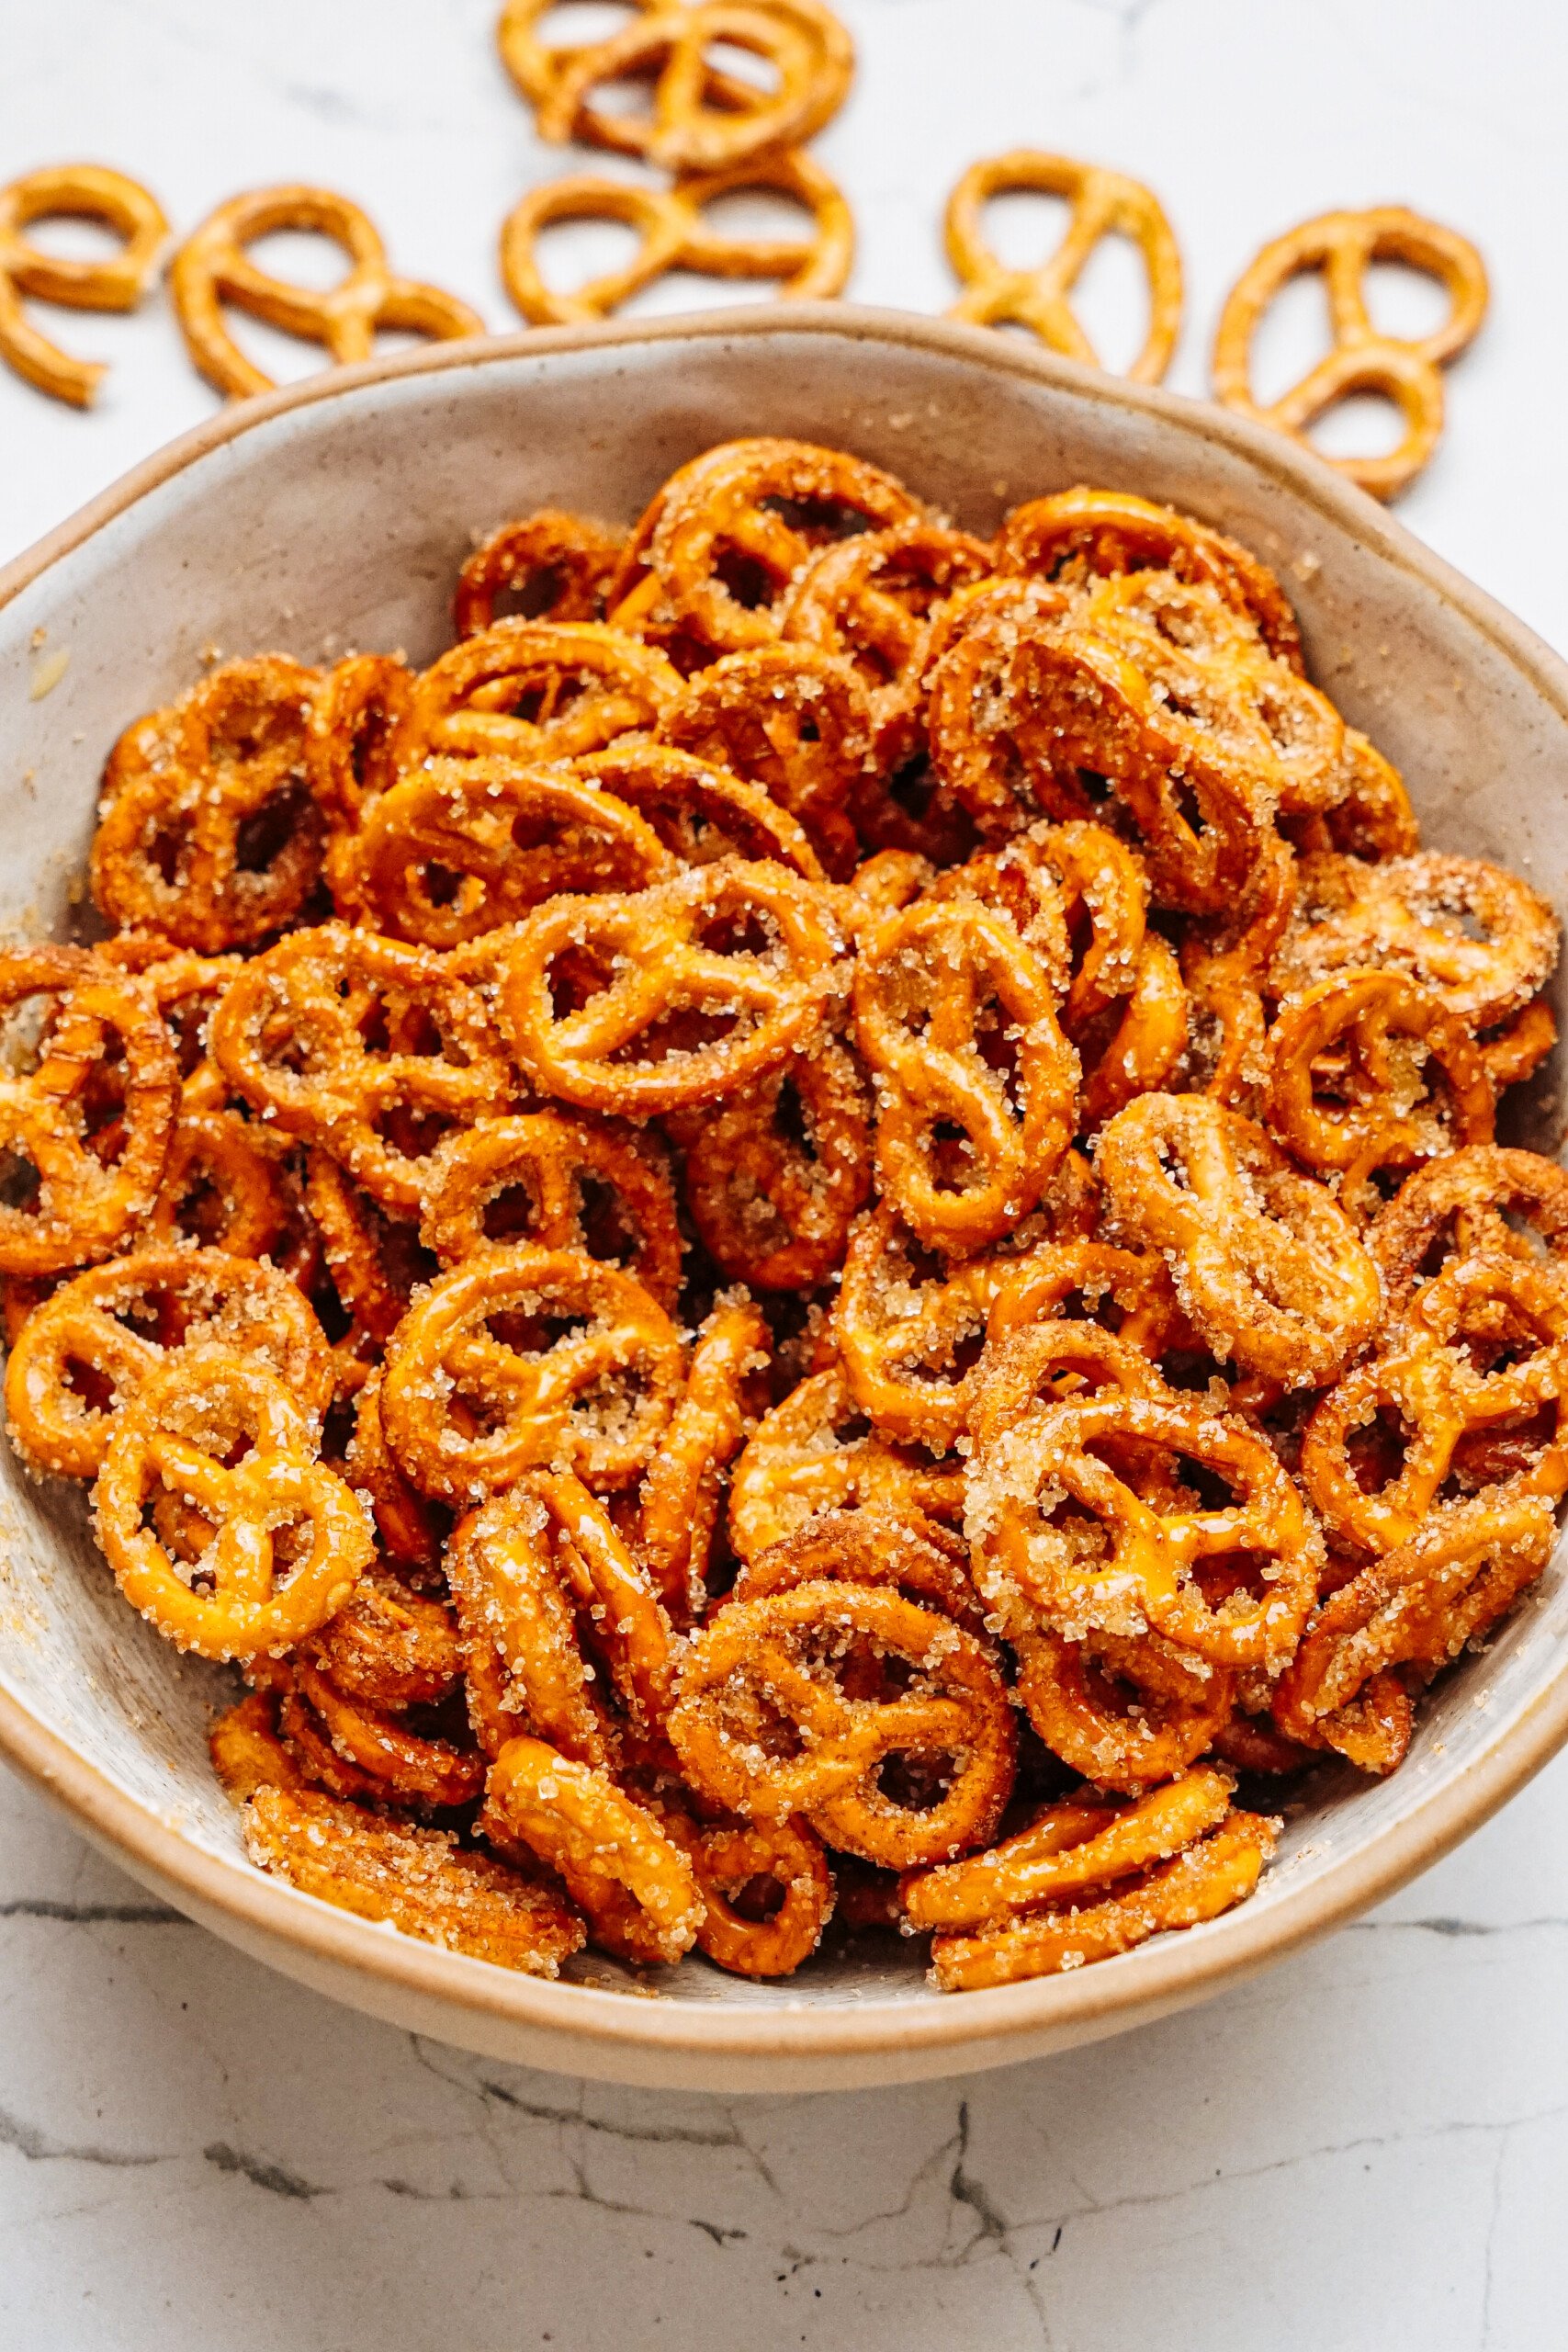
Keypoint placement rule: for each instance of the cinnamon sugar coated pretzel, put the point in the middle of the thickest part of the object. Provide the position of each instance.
(813, 1235)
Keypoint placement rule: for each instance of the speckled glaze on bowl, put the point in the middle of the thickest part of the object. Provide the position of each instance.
(335, 514)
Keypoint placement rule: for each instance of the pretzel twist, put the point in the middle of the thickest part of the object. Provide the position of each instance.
(74, 192)
(213, 267)
(1405, 369)
(1102, 203)
(673, 234)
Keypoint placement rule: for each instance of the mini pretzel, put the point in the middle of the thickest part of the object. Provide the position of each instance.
(679, 1505)
(410, 1526)
(701, 811)
(185, 989)
(221, 1188)
(1211, 1877)
(1146, 1566)
(1368, 1071)
(905, 1339)
(942, 995)
(213, 267)
(700, 115)
(555, 564)
(465, 1409)
(636, 1884)
(1470, 1204)
(82, 1208)
(1417, 1605)
(1224, 966)
(1480, 939)
(674, 235)
(557, 1163)
(721, 511)
(1265, 1262)
(390, 1645)
(508, 837)
(289, 1037)
(1080, 1843)
(179, 1431)
(870, 600)
(1242, 708)
(869, 1547)
(1433, 1380)
(520, 1633)
(354, 1748)
(1405, 369)
(372, 1262)
(1078, 536)
(654, 963)
(1135, 1285)
(773, 1211)
(1125, 1712)
(792, 720)
(1102, 203)
(728, 1858)
(540, 690)
(77, 192)
(807, 1456)
(190, 796)
(416, 1880)
(786, 1659)
(83, 1348)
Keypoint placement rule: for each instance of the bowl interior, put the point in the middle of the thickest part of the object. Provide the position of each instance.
(341, 523)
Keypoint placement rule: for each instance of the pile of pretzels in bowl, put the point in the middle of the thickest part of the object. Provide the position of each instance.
(816, 1228)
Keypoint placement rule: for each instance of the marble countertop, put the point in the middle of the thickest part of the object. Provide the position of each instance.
(1368, 2146)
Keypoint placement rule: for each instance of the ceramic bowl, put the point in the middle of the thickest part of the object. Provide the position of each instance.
(336, 515)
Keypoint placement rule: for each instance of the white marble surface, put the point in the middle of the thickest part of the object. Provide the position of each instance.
(1368, 2147)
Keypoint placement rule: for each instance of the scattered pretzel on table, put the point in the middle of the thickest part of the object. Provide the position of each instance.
(77, 192)
(1103, 203)
(1406, 369)
(213, 267)
(674, 235)
(701, 117)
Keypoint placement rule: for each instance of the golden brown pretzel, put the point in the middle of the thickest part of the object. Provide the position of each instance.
(815, 1453)
(1117, 1561)
(776, 1174)
(77, 192)
(500, 837)
(1265, 1262)
(466, 1409)
(682, 1490)
(681, 949)
(555, 564)
(1075, 536)
(701, 117)
(290, 1036)
(636, 1884)
(1405, 369)
(1102, 202)
(97, 1340)
(1207, 1878)
(792, 720)
(540, 690)
(185, 792)
(787, 1660)
(674, 235)
(213, 267)
(956, 1017)
(181, 1432)
(416, 1880)
(562, 1165)
(81, 1206)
